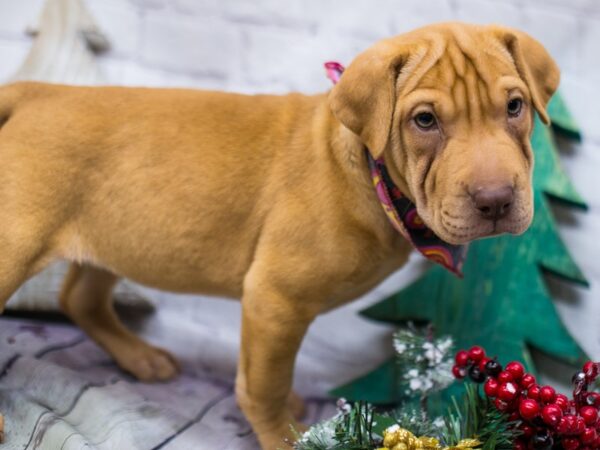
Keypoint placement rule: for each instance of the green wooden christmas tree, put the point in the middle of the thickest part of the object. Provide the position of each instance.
(502, 303)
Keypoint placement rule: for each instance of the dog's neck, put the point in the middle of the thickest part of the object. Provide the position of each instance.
(346, 158)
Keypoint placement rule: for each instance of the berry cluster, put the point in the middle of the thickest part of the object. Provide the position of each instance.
(546, 419)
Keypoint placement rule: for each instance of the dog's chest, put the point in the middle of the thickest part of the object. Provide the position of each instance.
(376, 265)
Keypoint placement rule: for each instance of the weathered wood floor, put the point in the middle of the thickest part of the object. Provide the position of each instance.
(61, 391)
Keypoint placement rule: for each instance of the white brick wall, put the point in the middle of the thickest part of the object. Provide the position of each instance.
(276, 46)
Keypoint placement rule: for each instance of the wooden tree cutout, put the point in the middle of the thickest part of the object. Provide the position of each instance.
(65, 47)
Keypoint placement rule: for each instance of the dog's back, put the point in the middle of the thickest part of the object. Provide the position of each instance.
(129, 178)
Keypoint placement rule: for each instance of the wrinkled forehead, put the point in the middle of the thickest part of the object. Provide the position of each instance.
(458, 60)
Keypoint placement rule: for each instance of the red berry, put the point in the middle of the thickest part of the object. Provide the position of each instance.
(589, 415)
(529, 409)
(579, 425)
(507, 391)
(589, 436)
(527, 430)
(483, 362)
(591, 370)
(516, 369)
(593, 398)
(551, 414)
(519, 445)
(571, 425)
(501, 405)
(566, 424)
(491, 387)
(534, 392)
(562, 401)
(527, 381)
(514, 415)
(476, 353)
(458, 372)
(505, 377)
(461, 358)
(569, 443)
(547, 394)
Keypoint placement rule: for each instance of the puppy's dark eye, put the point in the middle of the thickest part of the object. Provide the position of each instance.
(425, 120)
(514, 107)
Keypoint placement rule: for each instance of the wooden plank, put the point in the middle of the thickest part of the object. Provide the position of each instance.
(62, 389)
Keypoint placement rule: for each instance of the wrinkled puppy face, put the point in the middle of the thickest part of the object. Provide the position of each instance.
(450, 108)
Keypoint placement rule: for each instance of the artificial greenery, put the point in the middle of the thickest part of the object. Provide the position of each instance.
(360, 427)
(425, 364)
(478, 418)
(350, 429)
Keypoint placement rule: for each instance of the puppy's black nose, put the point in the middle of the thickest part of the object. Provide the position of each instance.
(494, 204)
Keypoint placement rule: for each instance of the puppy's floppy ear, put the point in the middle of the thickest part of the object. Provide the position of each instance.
(535, 66)
(365, 97)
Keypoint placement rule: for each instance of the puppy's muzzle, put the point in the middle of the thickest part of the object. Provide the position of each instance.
(494, 204)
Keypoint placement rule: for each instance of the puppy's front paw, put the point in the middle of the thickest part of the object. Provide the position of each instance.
(280, 438)
(148, 363)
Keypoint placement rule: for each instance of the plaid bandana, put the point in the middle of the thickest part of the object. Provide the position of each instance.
(403, 213)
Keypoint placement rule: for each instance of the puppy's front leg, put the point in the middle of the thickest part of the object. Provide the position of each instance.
(273, 326)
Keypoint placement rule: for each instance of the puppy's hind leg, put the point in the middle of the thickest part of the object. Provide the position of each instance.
(86, 298)
(21, 256)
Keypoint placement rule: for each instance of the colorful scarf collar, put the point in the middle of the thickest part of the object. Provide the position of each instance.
(403, 213)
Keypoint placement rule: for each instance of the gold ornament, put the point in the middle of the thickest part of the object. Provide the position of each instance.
(465, 444)
(429, 442)
(400, 447)
(396, 438)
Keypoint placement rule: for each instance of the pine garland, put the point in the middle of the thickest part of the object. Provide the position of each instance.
(357, 428)
(472, 422)
(478, 418)
(350, 429)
